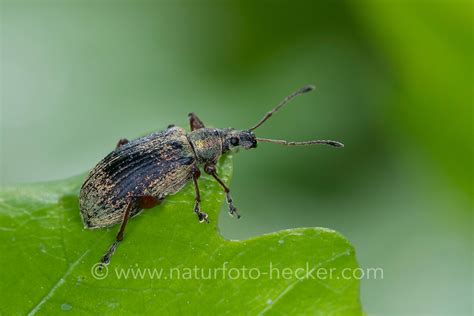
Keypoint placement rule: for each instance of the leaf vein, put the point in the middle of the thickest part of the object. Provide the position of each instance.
(294, 283)
(60, 282)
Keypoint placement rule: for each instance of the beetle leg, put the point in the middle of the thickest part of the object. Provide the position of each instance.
(121, 142)
(202, 217)
(195, 122)
(106, 258)
(210, 169)
(143, 202)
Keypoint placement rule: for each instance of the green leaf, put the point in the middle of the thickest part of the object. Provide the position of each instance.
(47, 257)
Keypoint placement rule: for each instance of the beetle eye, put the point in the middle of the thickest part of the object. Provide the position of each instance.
(234, 141)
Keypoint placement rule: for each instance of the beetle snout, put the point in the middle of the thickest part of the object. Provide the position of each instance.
(254, 143)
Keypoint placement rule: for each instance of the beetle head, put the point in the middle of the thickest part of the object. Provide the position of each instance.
(233, 139)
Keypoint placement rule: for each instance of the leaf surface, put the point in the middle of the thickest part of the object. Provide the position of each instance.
(168, 263)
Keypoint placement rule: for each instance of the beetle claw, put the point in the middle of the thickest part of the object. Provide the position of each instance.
(232, 208)
(106, 258)
(233, 211)
(202, 217)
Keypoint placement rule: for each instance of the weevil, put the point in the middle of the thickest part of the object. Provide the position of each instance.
(139, 174)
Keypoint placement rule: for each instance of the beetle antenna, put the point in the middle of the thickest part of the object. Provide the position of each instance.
(282, 103)
(310, 142)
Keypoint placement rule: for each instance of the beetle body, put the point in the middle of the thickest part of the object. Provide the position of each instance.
(139, 174)
(156, 165)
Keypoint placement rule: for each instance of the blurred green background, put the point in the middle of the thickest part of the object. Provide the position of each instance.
(394, 83)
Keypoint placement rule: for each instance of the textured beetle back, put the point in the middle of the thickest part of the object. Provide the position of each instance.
(158, 165)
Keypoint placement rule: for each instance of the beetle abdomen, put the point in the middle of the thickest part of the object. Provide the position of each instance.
(158, 165)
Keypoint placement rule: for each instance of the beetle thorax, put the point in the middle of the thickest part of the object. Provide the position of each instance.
(207, 145)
